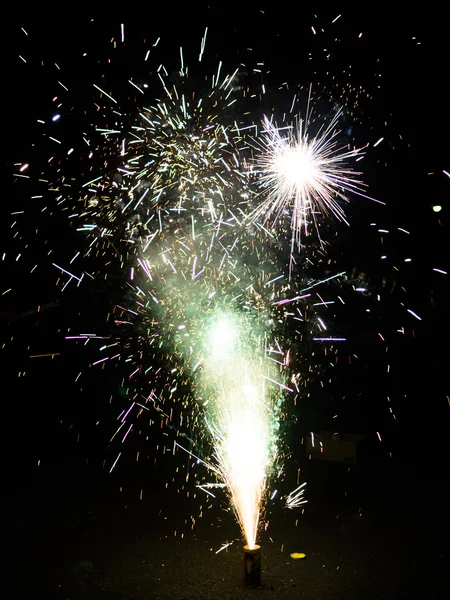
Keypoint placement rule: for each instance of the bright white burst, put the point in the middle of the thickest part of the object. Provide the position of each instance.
(242, 446)
(240, 417)
(304, 176)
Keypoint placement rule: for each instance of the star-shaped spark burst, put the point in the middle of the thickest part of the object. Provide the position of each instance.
(302, 176)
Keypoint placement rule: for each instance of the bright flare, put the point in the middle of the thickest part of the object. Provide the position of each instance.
(305, 176)
(241, 421)
(243, 454)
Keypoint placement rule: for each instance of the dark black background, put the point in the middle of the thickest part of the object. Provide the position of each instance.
(45, 411)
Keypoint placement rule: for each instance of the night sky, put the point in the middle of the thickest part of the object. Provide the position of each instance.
(390, 82)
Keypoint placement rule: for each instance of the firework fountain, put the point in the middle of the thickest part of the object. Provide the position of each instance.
(203, 205)
(197, 204)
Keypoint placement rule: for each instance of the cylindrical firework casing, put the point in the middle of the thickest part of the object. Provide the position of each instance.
(252, 566)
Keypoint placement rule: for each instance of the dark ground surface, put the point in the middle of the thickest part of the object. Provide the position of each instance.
(376, 532)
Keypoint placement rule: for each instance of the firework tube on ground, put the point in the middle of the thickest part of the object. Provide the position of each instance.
(252, 566)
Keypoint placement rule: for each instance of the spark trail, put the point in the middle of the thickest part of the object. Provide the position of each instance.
(242, 416)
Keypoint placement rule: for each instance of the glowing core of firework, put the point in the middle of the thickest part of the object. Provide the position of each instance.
(223, 336)
(240, 421)
(243, 455)
(296, 167)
